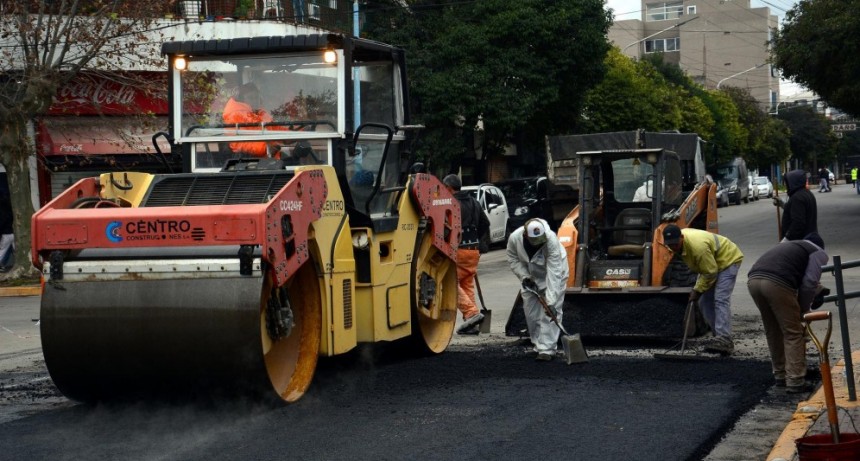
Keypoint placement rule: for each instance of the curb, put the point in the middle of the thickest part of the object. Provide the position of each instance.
(34, 290)
(809, 411)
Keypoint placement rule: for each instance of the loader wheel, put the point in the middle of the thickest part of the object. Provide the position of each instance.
(290, 326)
(434, 297)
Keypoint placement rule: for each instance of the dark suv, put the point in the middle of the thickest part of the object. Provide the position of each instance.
(537, 197)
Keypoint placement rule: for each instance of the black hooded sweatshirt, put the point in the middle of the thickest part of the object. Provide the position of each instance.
(801, 211)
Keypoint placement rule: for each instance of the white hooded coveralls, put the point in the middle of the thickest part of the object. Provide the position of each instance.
(548, 268)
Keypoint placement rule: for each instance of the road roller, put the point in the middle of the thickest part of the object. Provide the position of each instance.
(300, 226)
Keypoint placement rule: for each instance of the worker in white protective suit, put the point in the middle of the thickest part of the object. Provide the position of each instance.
(537, 258)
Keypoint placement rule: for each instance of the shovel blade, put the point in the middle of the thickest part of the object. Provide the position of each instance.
(574, 351)
(488, 319)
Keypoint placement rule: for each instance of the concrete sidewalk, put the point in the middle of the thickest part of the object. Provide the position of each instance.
(810, 418)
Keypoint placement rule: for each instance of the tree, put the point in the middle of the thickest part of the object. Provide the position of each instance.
(43, 45)
(497, 68)
(818, 48)
(812, 140)
(762, 146)
(633, 95)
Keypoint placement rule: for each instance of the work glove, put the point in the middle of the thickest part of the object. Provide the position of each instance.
(694, 296)
(818, 300)
(778, 202)
(529, 284)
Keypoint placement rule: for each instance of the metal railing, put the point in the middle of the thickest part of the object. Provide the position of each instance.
(840, 297)
(333, 15)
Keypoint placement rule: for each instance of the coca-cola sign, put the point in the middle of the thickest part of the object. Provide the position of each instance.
(91, 95)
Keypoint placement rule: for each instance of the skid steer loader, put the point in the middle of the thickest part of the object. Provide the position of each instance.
(300, 230)
(624, 282)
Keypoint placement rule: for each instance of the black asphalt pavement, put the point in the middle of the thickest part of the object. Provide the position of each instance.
(471, 403)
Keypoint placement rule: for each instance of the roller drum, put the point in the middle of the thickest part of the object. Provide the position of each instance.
(125, 338)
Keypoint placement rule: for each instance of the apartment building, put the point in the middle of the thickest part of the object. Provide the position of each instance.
(716, 42)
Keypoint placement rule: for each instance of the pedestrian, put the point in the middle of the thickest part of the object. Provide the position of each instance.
(801, 210)
(716, 260)
(474, 223)
(822, 180)
(539, 261)
(854, 177)
(783, 284)
(7, 237)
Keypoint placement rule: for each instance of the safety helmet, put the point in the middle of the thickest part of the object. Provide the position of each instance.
(535, 232)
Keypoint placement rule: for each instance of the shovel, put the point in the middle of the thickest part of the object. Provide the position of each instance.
(488, 314)
(574, 352)
(824, 366)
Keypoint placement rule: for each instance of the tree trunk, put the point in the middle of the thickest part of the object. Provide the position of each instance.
(15, 149)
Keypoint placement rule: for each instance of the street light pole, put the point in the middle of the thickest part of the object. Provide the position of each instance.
(658, 33)
(739, 73)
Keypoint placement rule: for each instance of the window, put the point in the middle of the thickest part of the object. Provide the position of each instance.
(332, 4)
(691, 9)
(661, 45)
(662, 11)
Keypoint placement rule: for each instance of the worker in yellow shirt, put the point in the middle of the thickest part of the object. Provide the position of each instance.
(717, 260)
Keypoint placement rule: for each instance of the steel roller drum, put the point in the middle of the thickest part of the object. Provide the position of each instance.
(125, 339)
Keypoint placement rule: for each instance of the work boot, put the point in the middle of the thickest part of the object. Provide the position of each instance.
(800, 389)
(473, 322)
(543, 357)
(722, 345)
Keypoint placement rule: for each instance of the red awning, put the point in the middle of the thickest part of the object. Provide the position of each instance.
(101, 135)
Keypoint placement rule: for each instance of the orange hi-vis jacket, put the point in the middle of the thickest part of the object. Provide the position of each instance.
(239, 112)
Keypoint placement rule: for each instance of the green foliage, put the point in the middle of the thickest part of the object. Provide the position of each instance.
(818, 47)
(244, 8)
(812, 140)
(521, 68)
(632, 95)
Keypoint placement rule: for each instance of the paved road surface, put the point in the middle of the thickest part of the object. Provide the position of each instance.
(483, 399)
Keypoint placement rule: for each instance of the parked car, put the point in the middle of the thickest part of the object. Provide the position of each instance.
(753, 190)
(537, 197)
(722, 197)
(734, 177)
(495, 206)
(764, 186)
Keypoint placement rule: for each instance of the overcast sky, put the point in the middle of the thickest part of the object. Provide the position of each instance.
(632, 9)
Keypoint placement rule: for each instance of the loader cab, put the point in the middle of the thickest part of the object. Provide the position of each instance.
(625, 193)
(280, 103)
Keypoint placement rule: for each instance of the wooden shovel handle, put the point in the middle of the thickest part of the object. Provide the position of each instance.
(813, 316)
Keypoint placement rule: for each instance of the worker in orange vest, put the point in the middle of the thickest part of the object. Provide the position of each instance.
(240, 109)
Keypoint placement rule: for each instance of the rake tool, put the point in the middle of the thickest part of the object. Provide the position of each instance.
(683, 353)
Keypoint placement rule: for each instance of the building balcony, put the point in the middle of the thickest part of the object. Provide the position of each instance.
(332, 15)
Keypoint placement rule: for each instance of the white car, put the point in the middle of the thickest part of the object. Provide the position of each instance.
(495, 206)
(753, 190)
(764, 186)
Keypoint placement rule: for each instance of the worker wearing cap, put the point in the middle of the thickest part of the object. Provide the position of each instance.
(540, 263)
(474, 223)
(717, 260)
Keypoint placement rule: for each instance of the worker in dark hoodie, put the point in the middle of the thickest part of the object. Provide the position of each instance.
(801, 210)
(474, 223)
